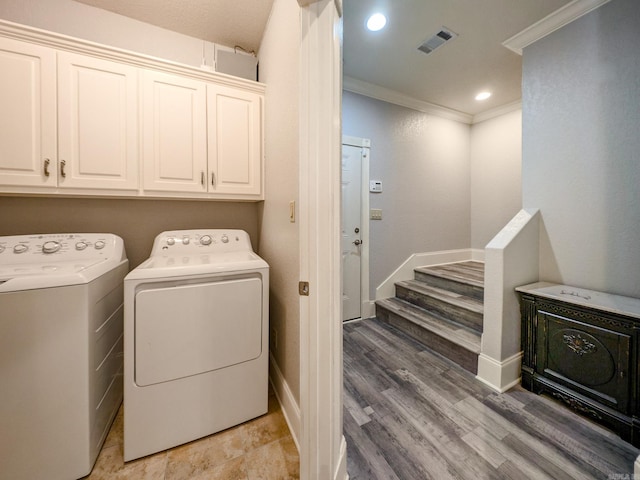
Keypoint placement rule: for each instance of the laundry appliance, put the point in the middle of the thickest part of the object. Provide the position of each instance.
(196, 339)
(61, 351)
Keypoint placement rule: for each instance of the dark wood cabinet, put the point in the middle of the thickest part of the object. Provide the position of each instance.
(581, 347)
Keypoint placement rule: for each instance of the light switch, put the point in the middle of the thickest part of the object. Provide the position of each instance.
(292, 211)
(376, 214)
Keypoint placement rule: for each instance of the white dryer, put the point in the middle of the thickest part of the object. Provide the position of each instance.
(61, 346)
(196, 339)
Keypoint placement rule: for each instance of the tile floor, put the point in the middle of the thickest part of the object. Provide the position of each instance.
(261, 449)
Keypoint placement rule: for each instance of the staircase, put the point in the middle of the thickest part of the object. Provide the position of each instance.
(442, 308)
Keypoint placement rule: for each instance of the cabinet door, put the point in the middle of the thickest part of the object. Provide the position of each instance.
(27, 114)
(174, 133)
(98, 123)
(235, 141)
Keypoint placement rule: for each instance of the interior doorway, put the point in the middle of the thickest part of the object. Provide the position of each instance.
(355, 229)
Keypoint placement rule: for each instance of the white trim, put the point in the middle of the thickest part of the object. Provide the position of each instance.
(391, 96)
(356, 142)
(496, 112)
(368, 309)
(500, 376)
(477, 254)
(290, 408)
(321, 441)
(552, 22)
(86, 47)
(405, 271)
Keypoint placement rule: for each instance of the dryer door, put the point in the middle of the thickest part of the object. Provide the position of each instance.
(191, 329)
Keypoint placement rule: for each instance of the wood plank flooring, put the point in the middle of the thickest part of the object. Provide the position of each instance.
(412, 414)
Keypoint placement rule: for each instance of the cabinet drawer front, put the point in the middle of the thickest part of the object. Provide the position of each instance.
(591, 360)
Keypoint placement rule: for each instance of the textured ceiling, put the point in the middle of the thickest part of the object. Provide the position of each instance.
(452, 75)
(449, 77)
(227, 22)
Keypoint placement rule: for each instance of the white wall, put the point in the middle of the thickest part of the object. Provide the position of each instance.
(279, 241)
(423, 162)
(496, 182)
(581, 149)
(89, 23)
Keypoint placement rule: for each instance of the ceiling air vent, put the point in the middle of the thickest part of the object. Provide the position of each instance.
(437, 40)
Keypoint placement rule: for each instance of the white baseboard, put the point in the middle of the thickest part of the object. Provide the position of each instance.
(405, 271)
(290, 408)
(368, 309)
(341, 469)
(499, 375)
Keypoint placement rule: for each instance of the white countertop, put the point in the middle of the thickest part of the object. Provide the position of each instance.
(607, 302)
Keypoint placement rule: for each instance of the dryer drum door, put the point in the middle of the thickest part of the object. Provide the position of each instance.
(191, 329)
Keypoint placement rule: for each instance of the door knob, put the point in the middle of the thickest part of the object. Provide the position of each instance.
(357, 242)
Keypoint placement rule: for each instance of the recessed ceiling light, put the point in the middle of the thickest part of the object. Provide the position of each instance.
(376, 22)
(483, 96)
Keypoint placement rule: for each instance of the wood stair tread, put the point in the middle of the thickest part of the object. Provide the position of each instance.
(469, 272)
(453, 298)
(453, 332)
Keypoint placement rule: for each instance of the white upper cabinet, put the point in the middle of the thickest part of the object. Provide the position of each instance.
(27, 114)
(235, 140)
(174, 133)
(85, 119)
(97, 123)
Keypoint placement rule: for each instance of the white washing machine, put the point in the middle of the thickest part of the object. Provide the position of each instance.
(196, 339)
(61, 346)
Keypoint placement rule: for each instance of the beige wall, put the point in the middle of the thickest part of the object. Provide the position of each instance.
(136, 221)
(279, 238)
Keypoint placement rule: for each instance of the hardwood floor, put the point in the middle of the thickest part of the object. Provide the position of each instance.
(412, 414)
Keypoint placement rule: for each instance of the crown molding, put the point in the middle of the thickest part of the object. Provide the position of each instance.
(552, 22)
(496, 112)
(391, 96)
(59, 41)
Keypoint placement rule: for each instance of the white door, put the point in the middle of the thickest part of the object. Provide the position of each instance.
(351, 231)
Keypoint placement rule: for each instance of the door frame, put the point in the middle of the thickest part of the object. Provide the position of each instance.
(367, 307)
(323, 449)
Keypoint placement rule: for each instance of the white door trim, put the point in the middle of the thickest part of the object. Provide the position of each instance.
(322, 446)
(367, 307)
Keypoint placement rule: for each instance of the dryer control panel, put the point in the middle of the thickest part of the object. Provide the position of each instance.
(188, 242)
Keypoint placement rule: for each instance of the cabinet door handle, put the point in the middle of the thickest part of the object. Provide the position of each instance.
(46, 167)
(63, 174)
(213, 179)
(202, 178)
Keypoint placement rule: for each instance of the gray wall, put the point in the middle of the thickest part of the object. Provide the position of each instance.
(581, 149)
(496, 180)
(423, 162)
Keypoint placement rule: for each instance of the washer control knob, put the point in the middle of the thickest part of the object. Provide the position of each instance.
(185, 240)
(20, 248)
(50, 247)
(171, 241)
(205, 240)
(81, 245)
(225, 239)
(99, 245)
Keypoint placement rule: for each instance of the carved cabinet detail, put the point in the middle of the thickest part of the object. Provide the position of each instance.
(581, 347)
